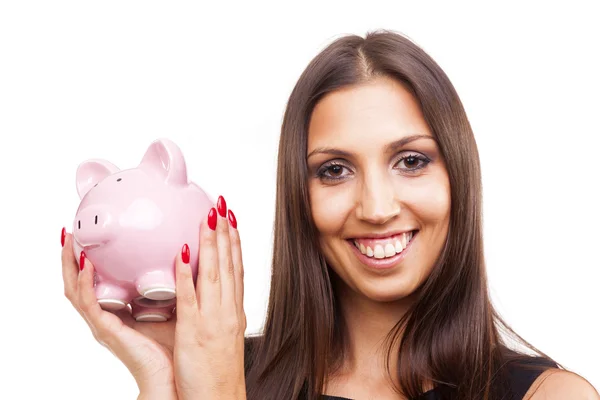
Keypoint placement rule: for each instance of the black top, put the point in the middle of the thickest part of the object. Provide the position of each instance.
(520, 376)
(520, 373)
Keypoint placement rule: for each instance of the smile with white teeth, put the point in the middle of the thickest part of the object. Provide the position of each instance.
(384, 248)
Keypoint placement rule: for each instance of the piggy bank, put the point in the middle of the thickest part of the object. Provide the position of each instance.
(132, 223)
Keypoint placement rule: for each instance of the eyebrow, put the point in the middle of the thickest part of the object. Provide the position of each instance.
(390, 147)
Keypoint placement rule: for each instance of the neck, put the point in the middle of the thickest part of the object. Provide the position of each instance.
(368, 324)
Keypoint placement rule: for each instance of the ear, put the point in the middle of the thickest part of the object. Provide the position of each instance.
(164, 158)
(90, 172)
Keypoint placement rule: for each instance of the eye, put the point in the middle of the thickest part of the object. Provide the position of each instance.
(119, 180)
(335, 170)
(413, 162)
(332, 171)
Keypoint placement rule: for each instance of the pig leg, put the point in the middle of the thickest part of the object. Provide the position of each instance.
(146, 310)
(156, 285)
(110, 296)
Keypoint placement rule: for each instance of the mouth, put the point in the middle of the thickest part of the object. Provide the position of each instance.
(383, 252)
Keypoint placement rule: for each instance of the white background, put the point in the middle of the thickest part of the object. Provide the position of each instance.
(84, 79)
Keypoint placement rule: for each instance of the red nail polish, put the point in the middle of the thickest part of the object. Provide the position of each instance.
(232, 219)
(81, 261)
(62, 237)
(222, 206)
(185, 254)
(212, 219)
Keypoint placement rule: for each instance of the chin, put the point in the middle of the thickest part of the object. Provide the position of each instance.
(386, 292)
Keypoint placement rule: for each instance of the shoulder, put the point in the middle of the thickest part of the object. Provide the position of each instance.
(558, 384)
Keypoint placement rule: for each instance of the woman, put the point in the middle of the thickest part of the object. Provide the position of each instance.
(378, 282)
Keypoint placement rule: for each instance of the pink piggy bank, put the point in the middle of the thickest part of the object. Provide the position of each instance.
(132, 224)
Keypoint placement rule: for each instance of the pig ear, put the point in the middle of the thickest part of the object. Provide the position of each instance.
(91, 172)
(164, 158)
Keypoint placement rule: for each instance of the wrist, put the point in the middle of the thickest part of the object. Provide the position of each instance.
(231, 392)
(159, 392)
(241, 393)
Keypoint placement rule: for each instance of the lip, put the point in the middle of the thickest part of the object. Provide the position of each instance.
(383, 235)
(382, 263)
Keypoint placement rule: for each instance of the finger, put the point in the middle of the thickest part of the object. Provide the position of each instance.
(208, 287)
(226, 268)
(70, 270)
(104, 324)
(238, 266)
(187, 302)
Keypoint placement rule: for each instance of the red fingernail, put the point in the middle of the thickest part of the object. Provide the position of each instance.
(81, 261)
(232, 219)
(62, 237)
(185, 254)
(212, 219)
(222, 206)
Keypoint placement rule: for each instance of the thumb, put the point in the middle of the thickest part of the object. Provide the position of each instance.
(142, 356)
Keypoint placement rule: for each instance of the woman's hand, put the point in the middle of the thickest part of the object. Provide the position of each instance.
(209, 335)
(145, 348)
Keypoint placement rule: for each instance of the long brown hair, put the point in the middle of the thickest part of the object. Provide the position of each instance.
(451, 336)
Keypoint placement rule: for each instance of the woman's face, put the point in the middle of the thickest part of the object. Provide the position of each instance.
(379, 189)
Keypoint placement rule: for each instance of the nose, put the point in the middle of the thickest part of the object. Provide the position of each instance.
(377, 203)
(93, 226)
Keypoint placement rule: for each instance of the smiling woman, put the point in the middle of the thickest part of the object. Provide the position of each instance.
(378, 243)
(389, 194)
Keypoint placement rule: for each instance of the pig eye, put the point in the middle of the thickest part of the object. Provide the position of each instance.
(95, 185)
(119, 180)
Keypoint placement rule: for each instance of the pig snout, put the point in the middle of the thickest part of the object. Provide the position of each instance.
(93, 226)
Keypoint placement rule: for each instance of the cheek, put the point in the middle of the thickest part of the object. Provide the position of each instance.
(330, 207)
(429, 201)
